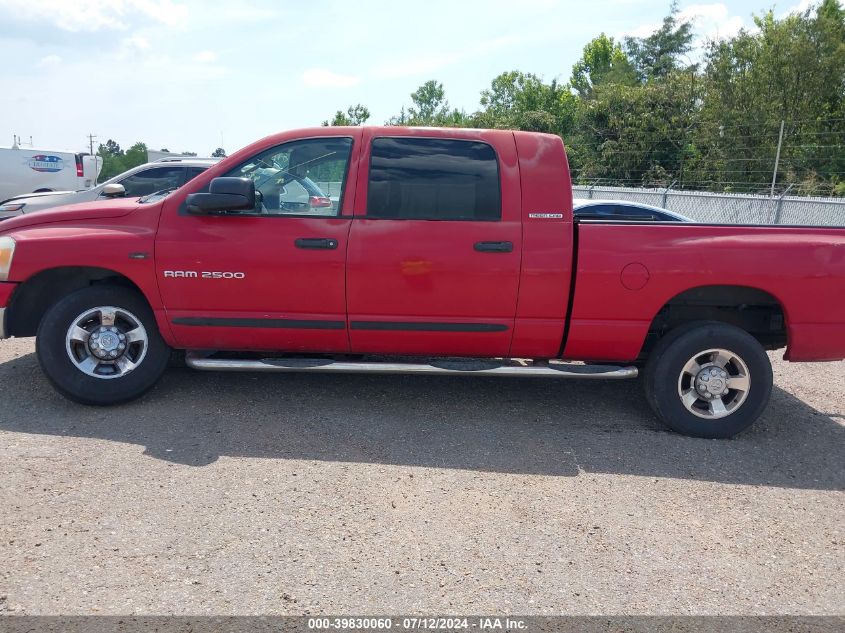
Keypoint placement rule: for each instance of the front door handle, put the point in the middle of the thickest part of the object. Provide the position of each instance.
(313, 243)
(494, 247)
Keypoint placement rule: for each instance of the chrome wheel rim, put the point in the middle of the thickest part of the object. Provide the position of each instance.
(714, 383)
(106, 342)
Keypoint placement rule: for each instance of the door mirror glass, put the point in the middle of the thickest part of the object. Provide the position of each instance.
(224, 194)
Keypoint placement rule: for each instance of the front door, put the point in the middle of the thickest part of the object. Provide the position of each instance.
(434, 251)
(271, 278)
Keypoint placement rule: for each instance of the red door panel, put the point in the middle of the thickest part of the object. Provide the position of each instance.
(422, 287)
(273, 279)
(284, 297)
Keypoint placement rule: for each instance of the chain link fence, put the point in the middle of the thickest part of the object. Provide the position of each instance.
(727, 208)
(713, 208)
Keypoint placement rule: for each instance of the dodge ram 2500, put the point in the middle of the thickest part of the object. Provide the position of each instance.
(426, 251)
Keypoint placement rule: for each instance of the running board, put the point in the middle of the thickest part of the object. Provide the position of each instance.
(445, 367)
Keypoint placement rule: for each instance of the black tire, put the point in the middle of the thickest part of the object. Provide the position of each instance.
(52, 349)
(665, 367)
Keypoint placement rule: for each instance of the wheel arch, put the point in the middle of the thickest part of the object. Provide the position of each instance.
(33, 297)
(755, 310)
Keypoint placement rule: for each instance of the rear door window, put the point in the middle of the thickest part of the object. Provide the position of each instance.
(433, 179)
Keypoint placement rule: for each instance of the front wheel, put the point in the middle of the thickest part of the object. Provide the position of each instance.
(100, 345)
(709, 380)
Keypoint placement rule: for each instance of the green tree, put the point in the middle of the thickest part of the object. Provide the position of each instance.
(116, 161)
(791, 70)
(522, 101)
(354, 115)
(219, 153)
(656, 56)
(603, 61)
(110, 148)
(430, 102)
(430, 109)
(635, 135)
(135, 155)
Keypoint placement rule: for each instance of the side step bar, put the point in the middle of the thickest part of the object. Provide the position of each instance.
(445, 367)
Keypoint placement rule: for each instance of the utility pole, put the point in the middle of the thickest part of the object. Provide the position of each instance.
(91, 139)
(777, 160)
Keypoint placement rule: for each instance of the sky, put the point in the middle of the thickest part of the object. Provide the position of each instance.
(194, 75)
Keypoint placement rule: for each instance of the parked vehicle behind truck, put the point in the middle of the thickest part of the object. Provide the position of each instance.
(168, 173)
(445, 246)
(29, 170)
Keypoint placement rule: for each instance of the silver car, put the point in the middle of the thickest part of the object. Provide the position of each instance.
(139, 181)
(585, 209)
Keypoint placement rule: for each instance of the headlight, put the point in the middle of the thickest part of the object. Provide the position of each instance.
(11, 207)
(7, 249)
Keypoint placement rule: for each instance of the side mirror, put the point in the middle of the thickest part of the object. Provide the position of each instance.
(114, 191)
(224, 194)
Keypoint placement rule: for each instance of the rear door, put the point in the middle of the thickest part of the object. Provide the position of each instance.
(434, 251)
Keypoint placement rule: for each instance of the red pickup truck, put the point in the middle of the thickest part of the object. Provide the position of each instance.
(434, 251)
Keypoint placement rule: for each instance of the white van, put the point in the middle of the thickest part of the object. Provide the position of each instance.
(28, 170)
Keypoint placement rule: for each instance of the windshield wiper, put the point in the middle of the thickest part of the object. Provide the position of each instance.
(161, 192)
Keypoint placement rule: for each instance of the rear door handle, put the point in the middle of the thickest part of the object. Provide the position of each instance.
(494, 247)
(314, 243)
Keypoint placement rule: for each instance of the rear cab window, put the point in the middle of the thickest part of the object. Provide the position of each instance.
(433, 179)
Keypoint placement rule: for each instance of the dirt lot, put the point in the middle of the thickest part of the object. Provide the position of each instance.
(224, 493)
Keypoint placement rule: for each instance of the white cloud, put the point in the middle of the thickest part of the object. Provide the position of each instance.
(421, 64)
(644, 30)
(206, 57)
(800, 7)
(526, 5)
(132, 47)
(137, 41)
(710, 21)
(49, 61)
(95, 15)
(322, 78)
(165, 11)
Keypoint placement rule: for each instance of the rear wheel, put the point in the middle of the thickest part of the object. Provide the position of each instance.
(100, 345)
(709, 380)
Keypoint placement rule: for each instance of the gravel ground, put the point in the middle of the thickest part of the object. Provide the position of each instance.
(293, 494)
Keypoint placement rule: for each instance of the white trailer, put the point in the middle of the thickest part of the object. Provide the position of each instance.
(28, 170)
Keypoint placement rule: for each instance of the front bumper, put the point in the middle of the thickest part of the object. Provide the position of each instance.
(6, 290)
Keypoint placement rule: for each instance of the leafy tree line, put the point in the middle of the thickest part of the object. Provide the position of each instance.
(643, 112)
